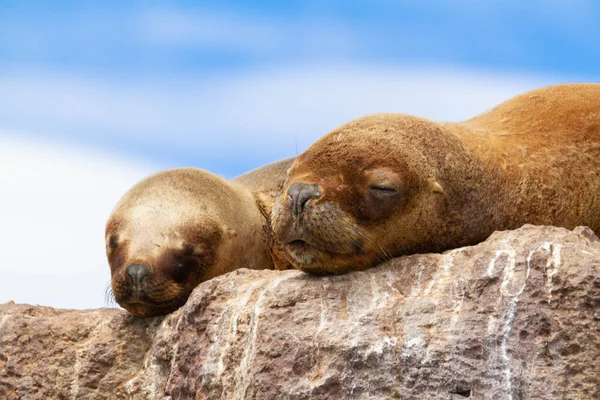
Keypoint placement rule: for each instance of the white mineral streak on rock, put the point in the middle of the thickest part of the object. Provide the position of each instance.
(218, 350)
(442, 273)
(323, 319)
(509, 252)
(243, 377)
(552, 266)
(322, 324)
(504, 243)
(380, 300)
(509, 272)
(506, 328)
(414, 347)
(239, 306)
(74, 392)
(380, 346)
(509, 317)
(379, 297)
(492, 325)
(393, 289)
(456, 313)
(415, 290)
(3, 321)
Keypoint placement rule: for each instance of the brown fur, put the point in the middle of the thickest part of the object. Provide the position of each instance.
(266, 179)
(533, 159)
(186, 226)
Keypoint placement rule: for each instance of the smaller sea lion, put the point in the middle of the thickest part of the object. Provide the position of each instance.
(180, 227)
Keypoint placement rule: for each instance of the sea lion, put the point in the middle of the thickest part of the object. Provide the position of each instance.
(387, 185)
(180, 227)
(266, 179)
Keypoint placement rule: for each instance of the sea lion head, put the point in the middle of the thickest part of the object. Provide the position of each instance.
(174, 230)
(354, 195)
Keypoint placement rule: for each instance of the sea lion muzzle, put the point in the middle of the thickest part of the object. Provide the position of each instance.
(137, 273)
(300, 194)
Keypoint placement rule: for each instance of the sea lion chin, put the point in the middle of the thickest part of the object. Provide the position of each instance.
(180, 227)
(386, 185)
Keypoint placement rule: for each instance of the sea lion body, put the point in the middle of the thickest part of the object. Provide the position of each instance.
(267, 179)
(180, 227)
(392, 184)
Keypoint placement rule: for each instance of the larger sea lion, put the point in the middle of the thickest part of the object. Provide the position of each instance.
(390, 184)
(180, 227)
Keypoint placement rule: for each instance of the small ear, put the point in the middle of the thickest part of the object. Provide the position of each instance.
(434, 186)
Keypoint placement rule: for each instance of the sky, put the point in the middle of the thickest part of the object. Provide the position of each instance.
(96, 95)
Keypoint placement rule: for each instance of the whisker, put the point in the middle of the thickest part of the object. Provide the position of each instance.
(109, 297)
(381, 254)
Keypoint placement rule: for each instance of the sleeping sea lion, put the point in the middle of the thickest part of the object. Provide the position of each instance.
(387, 185)
(180, 227)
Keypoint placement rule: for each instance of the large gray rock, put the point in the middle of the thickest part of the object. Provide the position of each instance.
(516, 317)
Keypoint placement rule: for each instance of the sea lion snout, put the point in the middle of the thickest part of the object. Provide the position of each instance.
(137, 273)
(300, 194)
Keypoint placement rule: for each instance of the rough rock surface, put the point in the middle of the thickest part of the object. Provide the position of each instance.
(516, 317)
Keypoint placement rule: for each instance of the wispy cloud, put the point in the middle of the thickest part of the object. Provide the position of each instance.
(251, 34)
(206, 28)
(270, 110)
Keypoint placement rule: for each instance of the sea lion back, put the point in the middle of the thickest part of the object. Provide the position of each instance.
(538, 121)
(267, 179)
(547, 142)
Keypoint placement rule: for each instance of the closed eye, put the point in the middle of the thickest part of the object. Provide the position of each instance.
(197, 251)
(185, 256)
(382, 189)
(113, 241)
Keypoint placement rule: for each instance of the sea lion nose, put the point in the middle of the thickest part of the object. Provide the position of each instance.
(137, 273)
(300, 194)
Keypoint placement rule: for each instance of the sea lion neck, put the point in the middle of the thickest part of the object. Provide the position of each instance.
(465, 208)
(265, 203)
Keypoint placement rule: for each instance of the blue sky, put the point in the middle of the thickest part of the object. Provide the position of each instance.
(187, 48)
(95, 95)
(130, 39)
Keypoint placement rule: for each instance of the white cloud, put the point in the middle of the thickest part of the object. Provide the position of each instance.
(218, 30)
(247, 34)
(55, 203)
(265, 108)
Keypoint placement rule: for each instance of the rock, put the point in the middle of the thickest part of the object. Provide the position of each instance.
(515, 317)
(58, 354)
